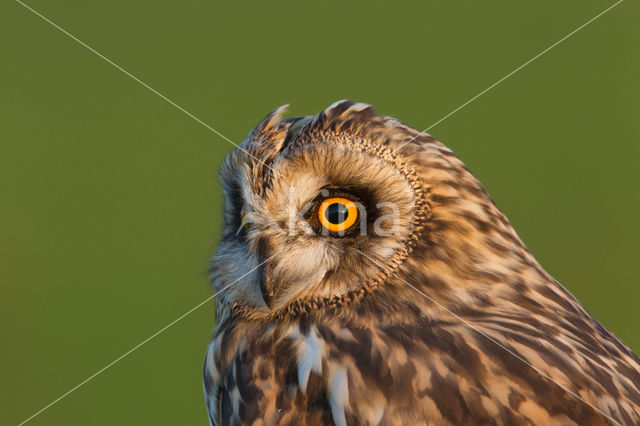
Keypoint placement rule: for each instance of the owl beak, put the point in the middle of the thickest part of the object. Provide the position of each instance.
(268, 290)
(267, 284)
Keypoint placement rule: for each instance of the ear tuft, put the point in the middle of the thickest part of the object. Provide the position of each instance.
(272, 119)
(345, 116)
(349, 120)
(345, 110)
(267, 138)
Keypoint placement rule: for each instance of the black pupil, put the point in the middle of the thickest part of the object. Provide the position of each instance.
(336, 213)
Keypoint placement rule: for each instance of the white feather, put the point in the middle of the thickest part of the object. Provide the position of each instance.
(312, 352)
(339, 396)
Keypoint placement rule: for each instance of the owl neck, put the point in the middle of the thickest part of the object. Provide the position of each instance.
(469, 258)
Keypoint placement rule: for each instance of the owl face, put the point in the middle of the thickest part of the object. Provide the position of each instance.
(309, 213)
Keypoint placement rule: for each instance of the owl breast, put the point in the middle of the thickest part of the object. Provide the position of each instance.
(418, 372)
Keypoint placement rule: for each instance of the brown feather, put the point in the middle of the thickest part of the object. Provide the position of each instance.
(451, 321)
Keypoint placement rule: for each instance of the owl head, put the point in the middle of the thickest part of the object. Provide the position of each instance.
(320, 210)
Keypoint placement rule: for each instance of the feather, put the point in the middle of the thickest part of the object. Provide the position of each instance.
(447, 320)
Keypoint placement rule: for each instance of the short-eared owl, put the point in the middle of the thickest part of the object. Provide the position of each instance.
(365, 276)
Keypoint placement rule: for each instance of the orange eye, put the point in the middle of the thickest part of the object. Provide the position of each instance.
(337, 214)
(244, 222)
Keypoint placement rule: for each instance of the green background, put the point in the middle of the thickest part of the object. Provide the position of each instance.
(110, 207)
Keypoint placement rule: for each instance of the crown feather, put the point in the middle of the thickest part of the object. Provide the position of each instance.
(358, 119)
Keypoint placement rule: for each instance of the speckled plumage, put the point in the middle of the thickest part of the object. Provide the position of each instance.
(445, 319)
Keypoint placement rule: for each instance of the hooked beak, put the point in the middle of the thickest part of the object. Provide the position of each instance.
(268, 290)
(267, 286)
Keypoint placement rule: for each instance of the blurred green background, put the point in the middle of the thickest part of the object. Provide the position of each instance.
(110, 207)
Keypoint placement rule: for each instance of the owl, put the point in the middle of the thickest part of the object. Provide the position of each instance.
(365, 277)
